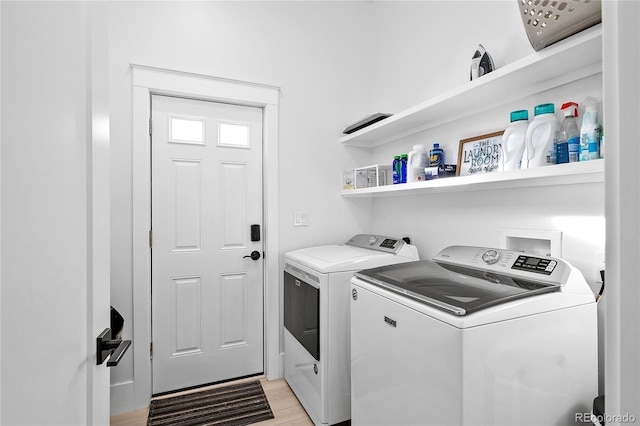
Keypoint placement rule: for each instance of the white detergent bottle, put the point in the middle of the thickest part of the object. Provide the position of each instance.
(514, 140)
(416, 162)
(540, 137)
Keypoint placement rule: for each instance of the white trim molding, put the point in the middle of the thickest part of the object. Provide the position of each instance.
(148, 81)
(621, 66)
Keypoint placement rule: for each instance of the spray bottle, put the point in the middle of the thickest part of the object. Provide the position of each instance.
(568, 144)
(590, 131)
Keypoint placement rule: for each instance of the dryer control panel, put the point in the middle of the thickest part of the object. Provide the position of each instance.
(377, 242)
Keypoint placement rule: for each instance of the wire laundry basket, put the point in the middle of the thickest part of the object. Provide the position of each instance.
(549, 21)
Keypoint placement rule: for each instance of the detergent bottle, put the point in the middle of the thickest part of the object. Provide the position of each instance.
(402, 178)
(417, 160)
(541, 134)
(514, 140)
(397, 172)
(436, 156)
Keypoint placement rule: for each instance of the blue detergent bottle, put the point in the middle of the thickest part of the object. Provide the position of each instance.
(436, 156)
(396, 166)
(403, 168)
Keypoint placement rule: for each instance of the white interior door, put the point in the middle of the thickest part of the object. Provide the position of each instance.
(207, 295)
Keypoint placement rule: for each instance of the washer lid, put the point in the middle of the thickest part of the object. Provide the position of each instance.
(456, 289)
(340, 257)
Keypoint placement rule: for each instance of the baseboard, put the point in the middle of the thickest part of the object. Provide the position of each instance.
(276, 370)
(122, 396)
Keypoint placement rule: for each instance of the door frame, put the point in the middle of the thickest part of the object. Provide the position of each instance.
(158, 81)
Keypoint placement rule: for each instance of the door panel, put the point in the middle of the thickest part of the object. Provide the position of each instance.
(188, 315)
(187, 204)
(233, 297)
(234, 194)
(207, 299)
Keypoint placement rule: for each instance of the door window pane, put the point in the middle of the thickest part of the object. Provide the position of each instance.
(234, 134)
(186, 130)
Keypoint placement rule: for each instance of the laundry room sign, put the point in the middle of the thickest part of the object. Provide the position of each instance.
(480, 154)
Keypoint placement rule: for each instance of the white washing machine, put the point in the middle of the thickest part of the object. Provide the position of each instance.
(476, 336)
(316, 319)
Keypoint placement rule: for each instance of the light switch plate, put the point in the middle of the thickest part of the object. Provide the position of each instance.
(300, 218)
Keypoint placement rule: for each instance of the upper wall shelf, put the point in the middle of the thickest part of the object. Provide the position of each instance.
(569, 60)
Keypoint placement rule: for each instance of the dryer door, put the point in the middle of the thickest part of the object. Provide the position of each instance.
(302, 311)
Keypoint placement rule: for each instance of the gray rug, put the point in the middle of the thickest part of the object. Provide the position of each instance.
(240, 404)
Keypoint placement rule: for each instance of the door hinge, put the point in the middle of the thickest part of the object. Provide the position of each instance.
(150, 350)
(150, 238)
(150, 127)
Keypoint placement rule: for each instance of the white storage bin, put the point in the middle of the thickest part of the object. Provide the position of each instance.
(372, 176)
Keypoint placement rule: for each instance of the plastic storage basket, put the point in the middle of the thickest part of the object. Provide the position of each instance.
(549, 21)
(372, 176)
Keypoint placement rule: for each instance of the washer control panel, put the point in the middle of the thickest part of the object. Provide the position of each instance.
(491, 256)
(539, 265)
(513, 263)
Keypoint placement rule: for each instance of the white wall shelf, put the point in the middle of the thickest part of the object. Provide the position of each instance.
(569, 60)
(559, 174)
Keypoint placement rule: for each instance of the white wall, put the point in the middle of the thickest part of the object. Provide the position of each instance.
(424, 48)
(48, 364)
(316, 52)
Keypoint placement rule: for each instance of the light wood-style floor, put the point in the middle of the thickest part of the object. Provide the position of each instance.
(284, 404)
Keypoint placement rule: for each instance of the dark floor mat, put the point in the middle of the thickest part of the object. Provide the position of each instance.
(240, 404)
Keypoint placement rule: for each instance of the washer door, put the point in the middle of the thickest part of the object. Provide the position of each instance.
(455, 289)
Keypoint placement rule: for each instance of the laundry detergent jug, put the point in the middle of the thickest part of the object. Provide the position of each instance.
(416, 162)
(540, 150)
(514, 140)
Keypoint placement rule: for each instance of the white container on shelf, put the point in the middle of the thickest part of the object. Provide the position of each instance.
(372, 176)
(514, 140)
(541, 134)
(416, 162)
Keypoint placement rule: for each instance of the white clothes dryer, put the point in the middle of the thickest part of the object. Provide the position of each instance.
(316, 319)
(476, 336)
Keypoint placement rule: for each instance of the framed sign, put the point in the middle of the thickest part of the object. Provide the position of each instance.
(480, 154)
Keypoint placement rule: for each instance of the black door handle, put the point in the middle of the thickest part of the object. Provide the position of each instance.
(255, 255)
(106, 346)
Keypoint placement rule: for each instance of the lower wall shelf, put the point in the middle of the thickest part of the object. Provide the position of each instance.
(559, 174)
